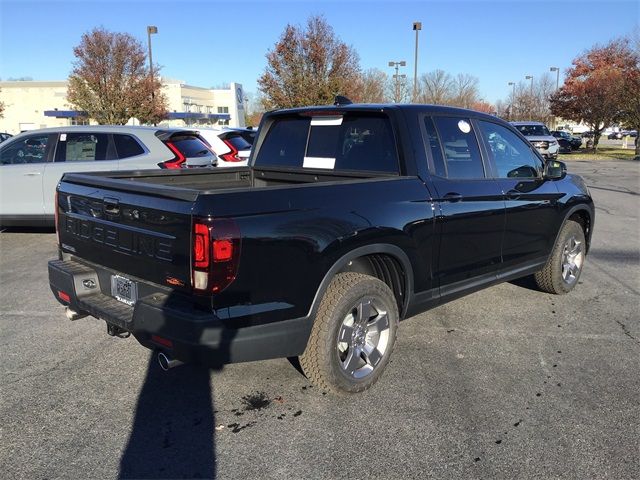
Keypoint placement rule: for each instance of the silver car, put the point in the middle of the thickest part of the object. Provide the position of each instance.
(32, 163)
(539, 136)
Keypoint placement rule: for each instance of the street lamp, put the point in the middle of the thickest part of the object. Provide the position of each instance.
(417, 26)
(557, 70)
(397, 77)
(513, 97)
(530, 77)
(151, 29)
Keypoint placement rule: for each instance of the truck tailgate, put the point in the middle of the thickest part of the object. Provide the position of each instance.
(140, 234)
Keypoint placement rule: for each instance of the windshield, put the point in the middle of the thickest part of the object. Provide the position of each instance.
(533, 130)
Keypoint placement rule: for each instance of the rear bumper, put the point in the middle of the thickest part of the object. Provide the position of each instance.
(189, 334)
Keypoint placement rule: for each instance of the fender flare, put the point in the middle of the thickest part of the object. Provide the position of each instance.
(392, 250)
(577, 208)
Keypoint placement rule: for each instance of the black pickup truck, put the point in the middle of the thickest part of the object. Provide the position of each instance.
(349, 219)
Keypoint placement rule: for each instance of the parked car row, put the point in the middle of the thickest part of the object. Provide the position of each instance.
(567, 142)
(32, 163)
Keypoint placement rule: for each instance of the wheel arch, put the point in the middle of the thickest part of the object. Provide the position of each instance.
(386, 262)
(583, 216)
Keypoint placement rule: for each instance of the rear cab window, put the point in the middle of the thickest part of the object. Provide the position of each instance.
(354, 141)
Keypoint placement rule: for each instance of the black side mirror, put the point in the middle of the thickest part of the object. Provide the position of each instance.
(555, 170)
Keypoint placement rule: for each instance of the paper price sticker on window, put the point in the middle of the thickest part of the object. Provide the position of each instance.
(63, 137)
(464, 126)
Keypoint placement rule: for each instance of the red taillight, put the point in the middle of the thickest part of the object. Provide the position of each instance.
(176, 162)
(232, 156)
(222, 250)
(55, 216)
(216, 254)
(201, 239)
(64, 296)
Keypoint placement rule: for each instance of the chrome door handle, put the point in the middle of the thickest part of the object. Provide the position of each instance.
(32, 174)
(453, 197)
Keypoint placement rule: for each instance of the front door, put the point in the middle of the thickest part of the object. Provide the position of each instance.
(530, 200)
(22, 163)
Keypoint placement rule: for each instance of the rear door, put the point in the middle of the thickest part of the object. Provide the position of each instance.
(472, 212)
(530, 200)
(78, 152)
(22, 166)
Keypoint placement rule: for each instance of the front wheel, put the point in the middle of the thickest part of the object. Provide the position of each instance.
(563, 268)
(353, 334)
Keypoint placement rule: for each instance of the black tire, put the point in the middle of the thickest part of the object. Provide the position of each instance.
(351, 297)
(562, 271)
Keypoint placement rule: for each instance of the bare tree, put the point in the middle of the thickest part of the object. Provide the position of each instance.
(464, 91)
(372, 87)
(110, 80)
(435, 88)
(309, 67)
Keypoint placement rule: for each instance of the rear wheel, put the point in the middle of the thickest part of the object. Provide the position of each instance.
(353, 334)
(562, 271)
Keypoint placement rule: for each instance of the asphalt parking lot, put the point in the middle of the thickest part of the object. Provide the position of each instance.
(506, 383)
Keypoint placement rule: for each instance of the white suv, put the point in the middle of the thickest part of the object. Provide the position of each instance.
(32, 163)
(539, 136)
(231, 145)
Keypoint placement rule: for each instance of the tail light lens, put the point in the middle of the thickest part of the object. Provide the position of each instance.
(216, 254)
(232, 156)
(176, 162)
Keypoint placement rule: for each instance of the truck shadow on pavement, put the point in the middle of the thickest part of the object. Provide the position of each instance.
(174, 426)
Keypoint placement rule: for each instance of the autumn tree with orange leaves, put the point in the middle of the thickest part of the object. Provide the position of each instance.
(595, 85)
(111, 82)
(309, 66)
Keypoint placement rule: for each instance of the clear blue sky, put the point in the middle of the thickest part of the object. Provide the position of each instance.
(211, 43)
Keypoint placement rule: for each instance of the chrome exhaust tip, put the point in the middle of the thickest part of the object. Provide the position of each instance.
(166, 362)
(73, 315)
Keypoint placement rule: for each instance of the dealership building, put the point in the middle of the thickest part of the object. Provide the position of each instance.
(32, 104)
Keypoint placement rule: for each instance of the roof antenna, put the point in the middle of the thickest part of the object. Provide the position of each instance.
(341, 100)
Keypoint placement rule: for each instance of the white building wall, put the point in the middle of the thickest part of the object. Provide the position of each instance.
(26, 101)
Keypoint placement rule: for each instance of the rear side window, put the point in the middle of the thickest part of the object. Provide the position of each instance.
(190, 147)
(360, 142)
(83, 147)
(459, 147)
(127, 146)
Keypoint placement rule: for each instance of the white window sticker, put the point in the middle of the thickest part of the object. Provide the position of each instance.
(464, 126)
(319, 162)
(326, 121)
(63, 137)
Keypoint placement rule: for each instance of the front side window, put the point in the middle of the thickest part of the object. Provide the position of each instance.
(459, 147)
(30, 149)
(512, 157)
(83, 147)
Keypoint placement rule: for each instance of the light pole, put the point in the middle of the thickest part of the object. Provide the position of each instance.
(530, 77)
(513, 97)
(151, 29)
(557, 70)
(397, 77)
(417, 26)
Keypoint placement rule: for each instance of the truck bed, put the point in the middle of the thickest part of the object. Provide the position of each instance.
(187, 184)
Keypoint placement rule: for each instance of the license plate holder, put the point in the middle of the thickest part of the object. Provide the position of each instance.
(124, 290)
